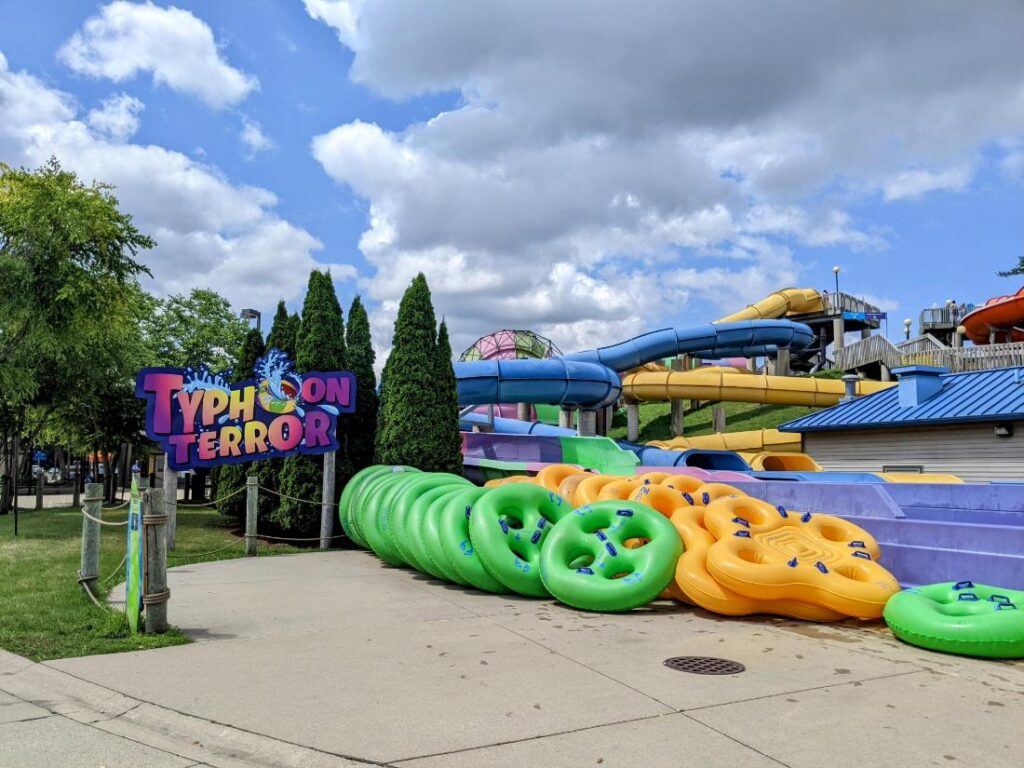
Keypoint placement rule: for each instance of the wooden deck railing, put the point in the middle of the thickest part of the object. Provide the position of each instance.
(926, 350)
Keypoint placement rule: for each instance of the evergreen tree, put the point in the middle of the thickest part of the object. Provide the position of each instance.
(231, 477)
(320, 346)
(279, 330)
(292, 334)
(449, 439)
(362, 425)
(268, 471)
(415, 423)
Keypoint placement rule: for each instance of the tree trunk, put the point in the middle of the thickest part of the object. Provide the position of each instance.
(108, 478)
(199, 485)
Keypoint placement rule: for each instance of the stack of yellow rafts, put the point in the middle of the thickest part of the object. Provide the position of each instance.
(743, 555)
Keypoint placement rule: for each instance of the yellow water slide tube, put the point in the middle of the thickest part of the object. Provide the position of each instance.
(752, 441)
(783, 461)
(710, 384)
(788, 301)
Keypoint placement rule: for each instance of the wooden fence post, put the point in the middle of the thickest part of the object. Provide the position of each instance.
(156, 595)
(327, 502)
(251, 507)
(171, 502)
(89, 572)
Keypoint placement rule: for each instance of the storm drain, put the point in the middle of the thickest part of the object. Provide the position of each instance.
(704, 665)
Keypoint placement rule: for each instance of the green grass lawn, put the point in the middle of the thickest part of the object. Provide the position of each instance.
(655, 419)
(44, 614)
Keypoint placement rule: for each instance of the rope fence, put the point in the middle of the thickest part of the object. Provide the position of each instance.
(103, 522)
(193, 555)
(116, 570)
(290, 498)
(87, 583)
(84, 583)
(309, 538)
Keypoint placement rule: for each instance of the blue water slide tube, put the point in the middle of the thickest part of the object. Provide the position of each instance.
(694, 457)
(748, 338)
(556, 381)
(588, 379)
(648, 455)
(515, 426)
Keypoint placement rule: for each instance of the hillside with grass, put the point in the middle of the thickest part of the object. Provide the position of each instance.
(655, 420)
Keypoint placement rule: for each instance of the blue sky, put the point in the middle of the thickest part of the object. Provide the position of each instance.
(584, 175)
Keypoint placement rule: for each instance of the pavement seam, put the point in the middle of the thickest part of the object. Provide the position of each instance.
(539, 736)
(539, 644)
(29, 719)
(140, 701)
(735, 740)
(803, 690)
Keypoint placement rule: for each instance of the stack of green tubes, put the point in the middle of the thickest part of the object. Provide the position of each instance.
(608, 556)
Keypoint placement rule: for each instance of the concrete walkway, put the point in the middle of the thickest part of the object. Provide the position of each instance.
(335, 660)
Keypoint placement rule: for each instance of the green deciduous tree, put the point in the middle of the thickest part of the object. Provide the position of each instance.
(231, 477)
(320, 346)
(194, 330)
(70, 305)
(415, 420)
(362, 425)
(1018, 270)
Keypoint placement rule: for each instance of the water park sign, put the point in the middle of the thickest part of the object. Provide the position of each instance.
(200, 420)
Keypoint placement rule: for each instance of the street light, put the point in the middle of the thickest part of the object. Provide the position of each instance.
(906, 328)
(251, 314)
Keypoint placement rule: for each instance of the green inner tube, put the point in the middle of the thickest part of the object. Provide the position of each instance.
(428, 516)
(345, 503)
(413, 504)
(586, 563)
(453, 533)
(507, 527)
(364, 492)
(401, 534)
(374, 516)
(962, 617)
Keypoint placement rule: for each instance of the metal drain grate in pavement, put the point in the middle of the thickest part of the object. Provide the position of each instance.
(704, 665)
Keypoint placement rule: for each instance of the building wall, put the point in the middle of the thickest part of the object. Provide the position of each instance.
(971, 451)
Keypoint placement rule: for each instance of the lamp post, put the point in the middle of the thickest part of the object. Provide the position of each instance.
(906, 328)
(251, 314)
(835, 271)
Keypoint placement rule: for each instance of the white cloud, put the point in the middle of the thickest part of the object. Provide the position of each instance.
(209, 231)
(1012, 163)
(177, 48)
(695, 145)
(341, 15)
(117, 117)
(911, 184)
(254, 140)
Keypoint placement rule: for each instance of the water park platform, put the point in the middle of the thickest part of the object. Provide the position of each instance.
(334, 659)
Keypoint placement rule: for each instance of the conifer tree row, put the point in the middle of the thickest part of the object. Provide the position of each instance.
(418, 418)
(319, 346)
(362, 425)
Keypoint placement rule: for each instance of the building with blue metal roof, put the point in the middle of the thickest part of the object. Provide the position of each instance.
(968, 424)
